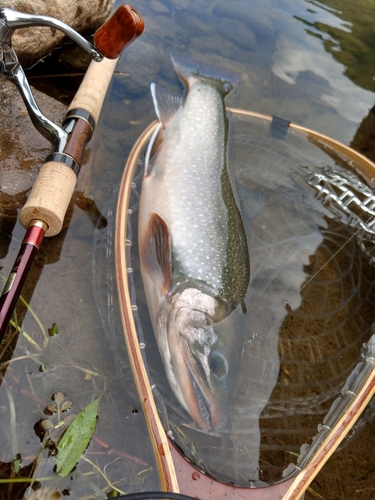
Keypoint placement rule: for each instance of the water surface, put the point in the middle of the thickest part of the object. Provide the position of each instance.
(309, 62)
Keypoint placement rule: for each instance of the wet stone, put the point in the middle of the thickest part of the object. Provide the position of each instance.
(22, 149)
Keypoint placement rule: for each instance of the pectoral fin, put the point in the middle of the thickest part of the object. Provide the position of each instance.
(155, 141)
(156, 252)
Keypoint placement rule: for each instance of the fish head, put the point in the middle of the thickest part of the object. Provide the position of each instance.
(203, 358)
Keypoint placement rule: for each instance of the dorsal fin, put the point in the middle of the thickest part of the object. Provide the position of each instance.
(166, 104)
(156, 252)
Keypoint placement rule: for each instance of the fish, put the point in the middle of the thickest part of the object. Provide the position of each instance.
(193, 249)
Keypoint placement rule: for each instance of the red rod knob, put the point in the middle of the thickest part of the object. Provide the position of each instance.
(121, 29)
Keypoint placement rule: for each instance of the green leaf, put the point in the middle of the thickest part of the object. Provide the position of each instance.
(75, 440)
(53, 330)
(17, 465)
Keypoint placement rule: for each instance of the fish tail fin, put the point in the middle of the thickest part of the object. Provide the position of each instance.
(189, 68)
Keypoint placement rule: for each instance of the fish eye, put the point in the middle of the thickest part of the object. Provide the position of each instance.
(218, 365)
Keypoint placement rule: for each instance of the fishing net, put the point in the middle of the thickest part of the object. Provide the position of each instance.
(309, 304)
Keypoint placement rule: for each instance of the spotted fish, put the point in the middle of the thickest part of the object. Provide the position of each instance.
(193, 249)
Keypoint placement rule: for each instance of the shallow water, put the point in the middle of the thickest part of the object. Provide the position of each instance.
(309, 62)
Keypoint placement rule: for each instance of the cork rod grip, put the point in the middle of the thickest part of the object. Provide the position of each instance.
(54, 186)
(92, 91)
(50, 197)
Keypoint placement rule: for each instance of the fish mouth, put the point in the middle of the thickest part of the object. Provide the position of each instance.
(202, 403)
(199, 405)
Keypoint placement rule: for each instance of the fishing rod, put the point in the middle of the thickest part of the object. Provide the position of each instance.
(44, 211)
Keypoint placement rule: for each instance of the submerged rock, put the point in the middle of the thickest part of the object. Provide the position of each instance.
(138, 66)
(253, 18)
(237, 33)
(31, 44)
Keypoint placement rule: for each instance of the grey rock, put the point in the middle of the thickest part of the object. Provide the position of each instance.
(32, 44)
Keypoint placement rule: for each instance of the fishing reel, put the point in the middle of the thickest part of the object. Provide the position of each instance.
(45, 209)
(11, 69)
